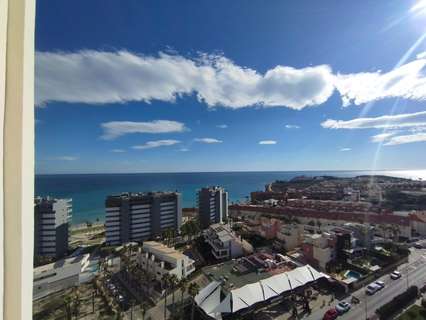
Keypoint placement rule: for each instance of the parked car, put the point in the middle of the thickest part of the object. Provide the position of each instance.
(395, 275)
(343, 307)
(372, 289)
(331, 314)
(381, 284)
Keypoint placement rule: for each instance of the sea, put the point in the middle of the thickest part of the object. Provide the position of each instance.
(89, 191)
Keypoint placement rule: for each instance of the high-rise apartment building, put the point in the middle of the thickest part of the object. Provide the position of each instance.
(212, 206)
(141, 216)
(51, 225)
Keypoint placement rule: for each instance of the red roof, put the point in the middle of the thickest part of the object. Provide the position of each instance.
(360, 217)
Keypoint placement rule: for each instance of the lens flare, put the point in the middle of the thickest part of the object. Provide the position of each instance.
(419, 7)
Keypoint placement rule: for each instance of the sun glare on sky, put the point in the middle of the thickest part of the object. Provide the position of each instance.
(419, 7)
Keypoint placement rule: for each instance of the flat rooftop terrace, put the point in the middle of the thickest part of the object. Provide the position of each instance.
(232, 280)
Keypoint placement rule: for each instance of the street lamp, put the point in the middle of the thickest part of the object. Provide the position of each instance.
(366, 309)
(407, 277)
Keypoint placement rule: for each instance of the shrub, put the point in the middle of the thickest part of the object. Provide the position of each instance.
(424, 302)
(397, 303)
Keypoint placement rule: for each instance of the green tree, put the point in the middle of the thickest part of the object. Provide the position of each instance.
(165, 280)
(143, 310)
(183, 284)
(76, 303)
(173, 283)
(67, 306)
(193, 290)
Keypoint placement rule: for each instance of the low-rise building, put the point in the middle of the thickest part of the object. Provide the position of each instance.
(224, 243)
(326, 217)
(291, 236)
(159, 259)
(319, 249)
(269, 228)
(63, 274)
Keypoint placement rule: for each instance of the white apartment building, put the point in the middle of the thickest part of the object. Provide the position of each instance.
(62, 275)
(224, 243)
(321, 250)
(159, 259)
(291, 236)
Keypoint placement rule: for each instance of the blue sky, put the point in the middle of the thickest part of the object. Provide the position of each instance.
(173, 86)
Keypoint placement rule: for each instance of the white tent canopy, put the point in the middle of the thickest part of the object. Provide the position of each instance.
(246, 296)
(208, 298)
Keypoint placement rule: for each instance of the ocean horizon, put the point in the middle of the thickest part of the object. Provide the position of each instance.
(89, 190)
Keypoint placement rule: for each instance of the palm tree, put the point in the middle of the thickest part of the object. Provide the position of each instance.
(165, 280)
(193, 290)
(93, 301)
(319, 225)
(173, 282)
(394, 231)
(68, 309)
(76, 303)
(184, 231)
(118, 315)
(183, 284)
(143, 310)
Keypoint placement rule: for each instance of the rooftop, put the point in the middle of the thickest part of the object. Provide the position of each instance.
(159, 248)
(359, 217)
(60, 264)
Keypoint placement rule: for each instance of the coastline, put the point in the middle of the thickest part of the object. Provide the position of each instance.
(88, 191)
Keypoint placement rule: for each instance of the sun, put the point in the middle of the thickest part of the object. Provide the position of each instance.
(419, 7)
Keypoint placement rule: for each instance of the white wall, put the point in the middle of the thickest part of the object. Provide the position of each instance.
(17, 102)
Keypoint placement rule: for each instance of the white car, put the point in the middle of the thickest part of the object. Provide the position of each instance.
(395, 275)
(343, 307)
(372, 289)
(381, 284)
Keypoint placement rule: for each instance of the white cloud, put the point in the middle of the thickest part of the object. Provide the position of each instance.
(403, 139)
(421, 55)
(407, 81)
(389, 121)
(381, 137)
(116, 129)
(267, 142)
(405, 128)
(118, 150)
(183, 149)
(207, 140)
(292, 126)
(97, 77)
(64, 158)
(222, 126)
(345, 149)
(156, 144)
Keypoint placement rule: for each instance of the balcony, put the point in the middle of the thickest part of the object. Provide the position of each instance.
(220, 254)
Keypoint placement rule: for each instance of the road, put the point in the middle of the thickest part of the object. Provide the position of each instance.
(416, 270)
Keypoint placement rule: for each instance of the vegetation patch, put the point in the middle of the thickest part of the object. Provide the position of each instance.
(413, 313)
(398, 303)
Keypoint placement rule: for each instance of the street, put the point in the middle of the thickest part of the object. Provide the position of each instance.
(416, 270)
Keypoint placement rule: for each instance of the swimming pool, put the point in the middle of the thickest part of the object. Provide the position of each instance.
(352, 274)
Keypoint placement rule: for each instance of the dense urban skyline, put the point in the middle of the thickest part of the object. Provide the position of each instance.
(166, 86)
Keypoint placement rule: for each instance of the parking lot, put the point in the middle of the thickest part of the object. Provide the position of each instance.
(117, 292)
